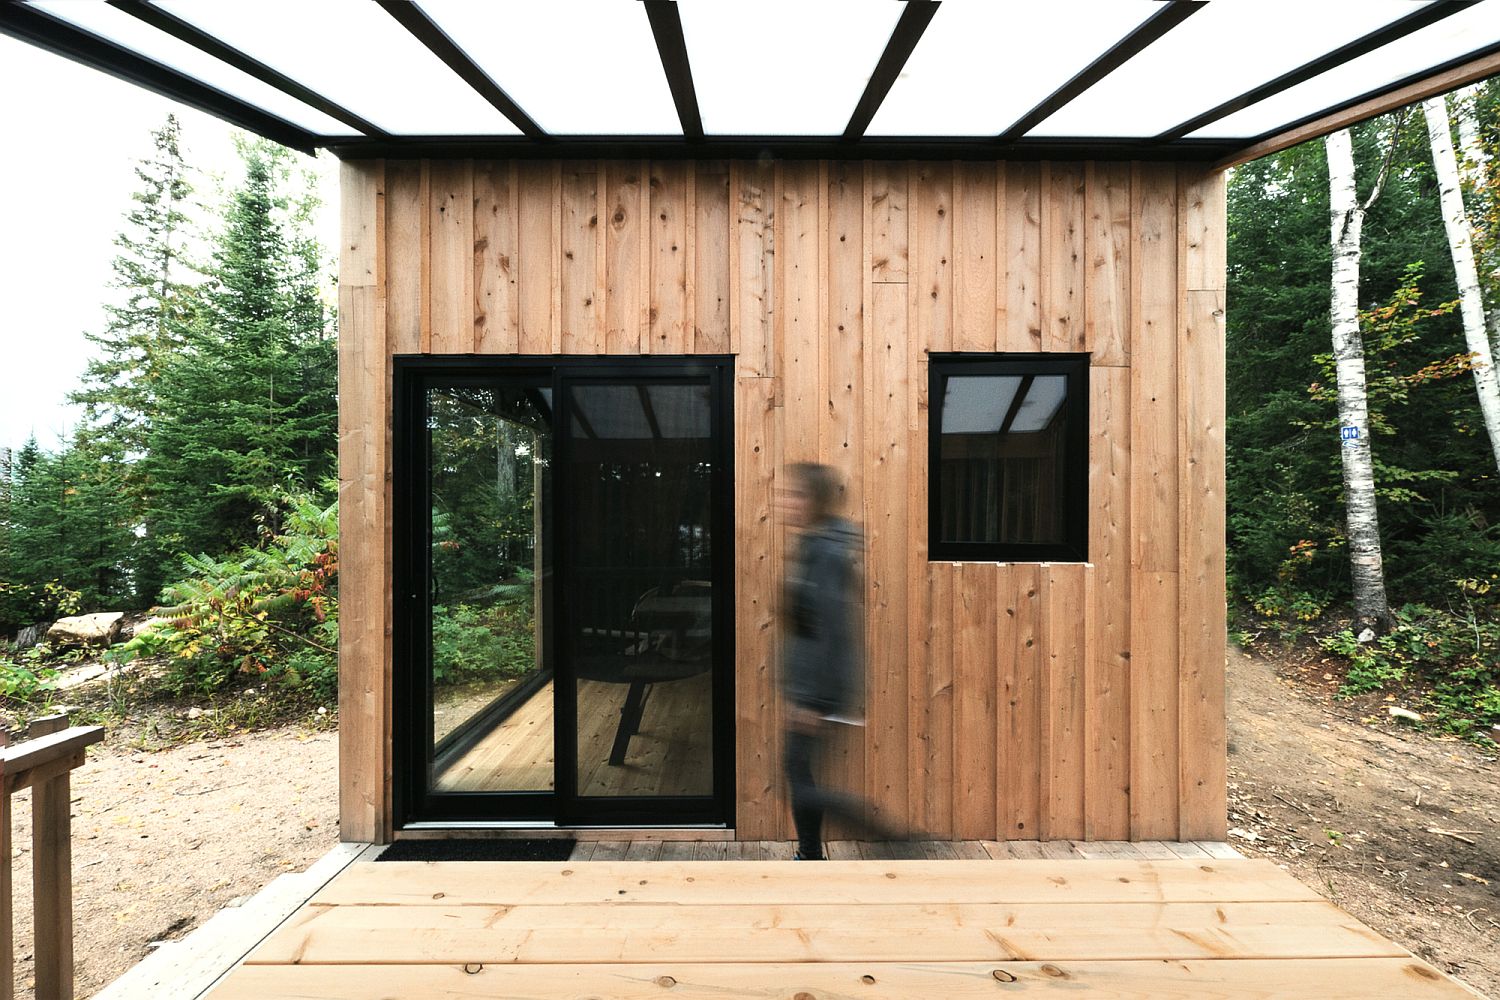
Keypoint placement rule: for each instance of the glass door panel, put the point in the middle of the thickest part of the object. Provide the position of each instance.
(563, 606)
(489, 446)
(638, 571)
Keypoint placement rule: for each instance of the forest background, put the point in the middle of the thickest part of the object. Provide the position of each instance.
(199, 482)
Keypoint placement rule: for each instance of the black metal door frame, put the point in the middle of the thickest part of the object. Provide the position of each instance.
(415, 802)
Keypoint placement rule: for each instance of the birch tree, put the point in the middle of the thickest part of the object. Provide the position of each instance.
(1475, 159)
(1347, 217)
(1473, 167)
(1460, 245)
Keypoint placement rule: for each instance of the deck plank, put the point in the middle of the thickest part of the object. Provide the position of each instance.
(1328, 979)
(1121, 928)
(503, 883)
(792, 933)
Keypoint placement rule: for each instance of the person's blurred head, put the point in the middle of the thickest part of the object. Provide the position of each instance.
(811, 491)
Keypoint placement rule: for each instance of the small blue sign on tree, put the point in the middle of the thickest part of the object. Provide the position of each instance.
(1349, 433)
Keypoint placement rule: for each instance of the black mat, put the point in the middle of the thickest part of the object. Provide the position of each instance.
(479, 850)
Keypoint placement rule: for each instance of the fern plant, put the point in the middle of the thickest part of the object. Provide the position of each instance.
(268, 610)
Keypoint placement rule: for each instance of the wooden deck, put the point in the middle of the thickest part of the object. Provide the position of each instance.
(874, 929)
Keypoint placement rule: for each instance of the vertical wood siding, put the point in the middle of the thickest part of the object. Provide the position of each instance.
(1005, 701)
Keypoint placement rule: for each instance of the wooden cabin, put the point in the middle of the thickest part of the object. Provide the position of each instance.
(579, 350)
(705, 323)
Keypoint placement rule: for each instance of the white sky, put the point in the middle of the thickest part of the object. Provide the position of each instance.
(72, 138)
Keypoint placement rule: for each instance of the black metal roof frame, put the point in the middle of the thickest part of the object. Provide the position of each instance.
(56, 35)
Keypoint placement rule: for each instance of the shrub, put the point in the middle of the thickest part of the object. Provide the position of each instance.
(489, 640)
(1452, 654)
(269, 610)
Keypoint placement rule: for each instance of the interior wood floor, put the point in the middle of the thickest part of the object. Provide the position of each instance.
(877, 930)
(671, 754)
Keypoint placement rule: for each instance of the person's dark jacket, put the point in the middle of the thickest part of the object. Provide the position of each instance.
(823, 624)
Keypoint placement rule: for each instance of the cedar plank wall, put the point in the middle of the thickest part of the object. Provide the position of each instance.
(1016, 701)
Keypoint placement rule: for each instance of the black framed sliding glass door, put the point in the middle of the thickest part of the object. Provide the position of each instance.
(564, 590)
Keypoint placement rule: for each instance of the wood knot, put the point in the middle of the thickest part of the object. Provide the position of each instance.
(473, 968)
(868, 980)
(1053, 971)
(438, 895)
(1003, 976)
(665, 982)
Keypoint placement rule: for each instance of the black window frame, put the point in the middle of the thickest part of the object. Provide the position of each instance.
(416, 804)
(1075, 367)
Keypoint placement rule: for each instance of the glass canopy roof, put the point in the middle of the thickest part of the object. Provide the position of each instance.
(1191, 78)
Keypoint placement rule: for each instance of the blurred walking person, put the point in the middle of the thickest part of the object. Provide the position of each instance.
(823, 666)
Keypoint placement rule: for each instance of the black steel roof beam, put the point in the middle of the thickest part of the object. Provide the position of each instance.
(908, 31)
(678, 147)
(425, 30)
(1015, 404)
(1483, 52)
(171, 24)
(666, 27)
(1170, 16)
(1401, 27)
(71, 42)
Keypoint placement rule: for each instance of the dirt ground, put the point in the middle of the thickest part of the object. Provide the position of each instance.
(1351, 809)
(162, 841)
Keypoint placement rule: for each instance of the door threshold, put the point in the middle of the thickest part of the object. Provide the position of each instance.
(514, 831)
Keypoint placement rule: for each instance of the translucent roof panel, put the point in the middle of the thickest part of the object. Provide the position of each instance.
(1041, 404)
(137, 36)
(1419, 52)
(354, 54)
(783, 67)
(585, 67)
(1251, 41)
(981, 65)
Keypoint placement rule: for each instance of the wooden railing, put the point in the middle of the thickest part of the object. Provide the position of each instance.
(43, 763)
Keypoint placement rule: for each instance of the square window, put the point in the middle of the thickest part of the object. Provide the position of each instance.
(1008, 473)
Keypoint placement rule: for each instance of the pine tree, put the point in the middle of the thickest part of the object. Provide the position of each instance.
(247, 407)
(119, 385)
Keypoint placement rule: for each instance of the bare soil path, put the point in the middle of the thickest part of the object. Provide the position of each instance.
(1351, 810)
(162, 841)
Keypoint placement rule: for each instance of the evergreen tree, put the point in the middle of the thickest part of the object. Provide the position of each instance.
(66, 521)
(247, 406)
(119, 385)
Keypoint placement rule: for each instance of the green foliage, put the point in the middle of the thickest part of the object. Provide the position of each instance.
(488, 640)
(65, 535)
(269, 611)
(245, 407)
(1453, 654)
(24, 679)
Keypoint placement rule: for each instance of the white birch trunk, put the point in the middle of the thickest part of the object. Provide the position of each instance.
(1475, 158)
(1347, 216)
(1473, 168)
(1460, 244)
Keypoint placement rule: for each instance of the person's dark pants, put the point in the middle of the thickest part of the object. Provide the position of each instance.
(801, 751)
